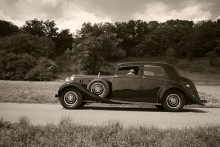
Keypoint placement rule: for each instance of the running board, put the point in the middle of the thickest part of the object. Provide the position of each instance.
(128, 102)
(119, 102)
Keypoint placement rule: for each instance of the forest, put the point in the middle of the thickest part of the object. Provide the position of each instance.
(33, 52)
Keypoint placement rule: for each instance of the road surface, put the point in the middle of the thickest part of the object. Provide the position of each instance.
(128, 116)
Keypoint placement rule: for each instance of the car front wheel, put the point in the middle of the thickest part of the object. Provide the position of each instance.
(71, 98)
(173, 101)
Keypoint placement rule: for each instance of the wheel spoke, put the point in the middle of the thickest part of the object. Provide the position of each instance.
(70, 98)
(98, 89)
(173, 101)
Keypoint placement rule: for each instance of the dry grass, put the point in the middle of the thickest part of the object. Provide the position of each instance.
(199, 78)
(210, 93)
(67, 133)
(28, 92)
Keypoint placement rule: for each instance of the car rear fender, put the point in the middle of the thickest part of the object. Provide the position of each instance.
(186, 94)
(86, 93)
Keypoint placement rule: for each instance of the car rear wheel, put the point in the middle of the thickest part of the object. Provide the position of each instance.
(71, 98)
(99, 87)
(173, 101)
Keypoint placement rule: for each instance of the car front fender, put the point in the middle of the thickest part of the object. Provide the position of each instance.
(86, 93)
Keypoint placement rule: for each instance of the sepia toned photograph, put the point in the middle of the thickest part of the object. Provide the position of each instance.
(109, 73)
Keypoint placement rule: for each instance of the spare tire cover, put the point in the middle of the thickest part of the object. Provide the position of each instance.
(99, 87)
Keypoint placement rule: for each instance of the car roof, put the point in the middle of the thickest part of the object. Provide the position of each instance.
(170, 70)
(144, 63)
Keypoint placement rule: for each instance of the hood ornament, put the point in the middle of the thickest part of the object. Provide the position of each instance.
(98, 74)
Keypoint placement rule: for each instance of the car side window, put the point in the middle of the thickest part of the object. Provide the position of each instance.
(129, 71)
(150, 70)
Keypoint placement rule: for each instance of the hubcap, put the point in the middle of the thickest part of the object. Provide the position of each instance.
(70, 98)
(173, 101)
(98, 88)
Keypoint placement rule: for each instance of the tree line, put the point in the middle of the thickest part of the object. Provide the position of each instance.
(94, 45)
(27, 53)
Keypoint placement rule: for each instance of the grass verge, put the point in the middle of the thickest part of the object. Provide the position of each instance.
(28, 92)
(67, 133)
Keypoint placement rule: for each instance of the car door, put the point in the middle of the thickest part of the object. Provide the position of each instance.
(127, 87)
(153, 79)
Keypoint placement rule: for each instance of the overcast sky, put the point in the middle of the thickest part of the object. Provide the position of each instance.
(70, 14)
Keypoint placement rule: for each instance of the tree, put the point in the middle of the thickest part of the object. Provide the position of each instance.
(178, 22)
(89, 54)
(148, 46)
(202, 39)
(126, 32)
(63, 41)
(41, 28)
(8, 28)
(50, 28)
(34, 27)
(26, 43)
(93, 52)
(153, 25)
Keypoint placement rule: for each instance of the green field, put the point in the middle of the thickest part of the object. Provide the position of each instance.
(43, 92)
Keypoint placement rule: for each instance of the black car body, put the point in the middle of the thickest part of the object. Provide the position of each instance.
(157, 83)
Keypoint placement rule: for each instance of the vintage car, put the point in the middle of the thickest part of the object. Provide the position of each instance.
(132, 83)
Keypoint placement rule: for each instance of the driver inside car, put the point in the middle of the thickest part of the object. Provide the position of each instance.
(131, 72)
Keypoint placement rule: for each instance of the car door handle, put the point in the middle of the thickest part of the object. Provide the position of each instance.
(144, 77)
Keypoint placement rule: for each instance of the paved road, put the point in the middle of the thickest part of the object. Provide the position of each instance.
(52, 113)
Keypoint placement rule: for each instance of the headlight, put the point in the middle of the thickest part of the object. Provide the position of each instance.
(67, 79)
(70, 79)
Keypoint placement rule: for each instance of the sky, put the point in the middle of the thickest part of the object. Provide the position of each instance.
(71, 14)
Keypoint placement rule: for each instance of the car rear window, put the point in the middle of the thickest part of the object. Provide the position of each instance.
(150, 70)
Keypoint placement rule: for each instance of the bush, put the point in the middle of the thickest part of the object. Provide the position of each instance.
(171, 60)
(184, 65)
(44, 71)
(26, 43)
(15, 67)
(197, 68)
(26, 67)
(213, 58)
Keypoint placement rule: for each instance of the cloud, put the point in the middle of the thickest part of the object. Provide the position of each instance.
(74, 16)
(7, 18)
(52, 3)
(162, 12)
(67, 14)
